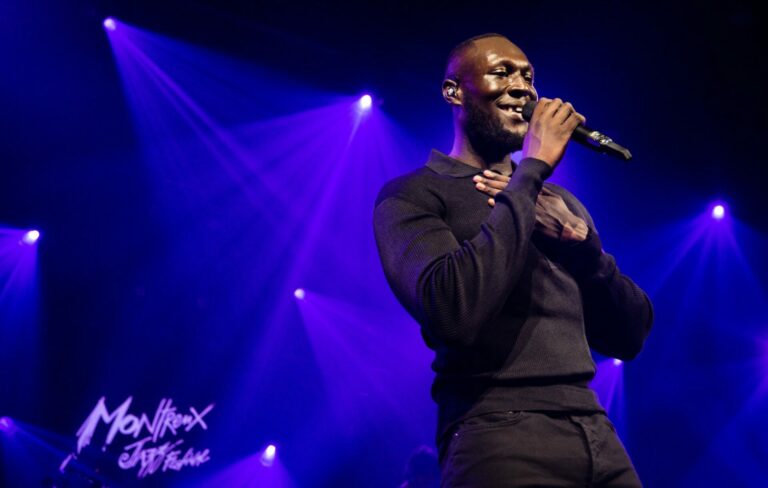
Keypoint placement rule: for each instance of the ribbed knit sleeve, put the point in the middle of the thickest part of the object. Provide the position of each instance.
(452, 288)
(618, 315)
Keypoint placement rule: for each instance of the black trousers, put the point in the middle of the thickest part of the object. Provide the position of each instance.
(527, 449)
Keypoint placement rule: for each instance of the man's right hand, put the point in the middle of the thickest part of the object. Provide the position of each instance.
(550, 129)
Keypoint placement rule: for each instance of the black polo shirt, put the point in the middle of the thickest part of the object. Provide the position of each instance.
(507, 313)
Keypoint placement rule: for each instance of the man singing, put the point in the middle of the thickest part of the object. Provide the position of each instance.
(508, 280)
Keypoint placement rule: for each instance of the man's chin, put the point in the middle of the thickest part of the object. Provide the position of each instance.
(494, 136)
(516, 132)
(511, 141)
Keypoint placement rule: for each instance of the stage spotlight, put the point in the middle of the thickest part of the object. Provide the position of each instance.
(718, 212)
(5, 424)
(299, 293)
(617, 362)
(30, 237)
(365, 102)
(268, 457)
(109, 24)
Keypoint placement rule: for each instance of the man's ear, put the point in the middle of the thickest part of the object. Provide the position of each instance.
(451, 92)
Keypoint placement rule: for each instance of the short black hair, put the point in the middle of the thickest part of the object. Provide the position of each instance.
(458, 50)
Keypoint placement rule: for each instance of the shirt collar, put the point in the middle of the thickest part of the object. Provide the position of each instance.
(443, 164)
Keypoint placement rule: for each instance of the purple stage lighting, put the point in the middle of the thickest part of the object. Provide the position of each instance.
(109, 24)
(268, 458)
(299, 293)
(5, 424)
(365, 102)
(617, 362)
(718, 212)
(30, 237)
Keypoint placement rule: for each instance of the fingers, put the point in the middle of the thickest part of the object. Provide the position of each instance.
(541, 107)
(567, 115)
(549, 130)
(546, 225)
(551, 107)
(563, 113)
(490, 182)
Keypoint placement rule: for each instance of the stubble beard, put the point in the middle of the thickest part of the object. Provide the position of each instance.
(486, 131)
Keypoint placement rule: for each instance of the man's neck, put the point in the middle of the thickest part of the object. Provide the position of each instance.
(466, 153)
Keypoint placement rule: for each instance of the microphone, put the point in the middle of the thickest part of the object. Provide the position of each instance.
(588, 137)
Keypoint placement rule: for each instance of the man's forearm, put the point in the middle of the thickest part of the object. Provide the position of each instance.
(618, 315)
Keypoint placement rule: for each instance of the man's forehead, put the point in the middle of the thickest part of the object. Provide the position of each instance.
(489, 50)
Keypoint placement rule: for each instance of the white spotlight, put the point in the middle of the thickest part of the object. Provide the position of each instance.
(718, 212)
(299, 293)
(31, 237)
(365, 102)
(268, 456)
(109, 24)
(617, 362)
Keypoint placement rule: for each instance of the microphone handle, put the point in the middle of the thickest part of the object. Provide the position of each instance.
(588, 137)
(600, 142)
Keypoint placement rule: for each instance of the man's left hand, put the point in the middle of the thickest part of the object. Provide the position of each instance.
(553, 218)
(491, 183)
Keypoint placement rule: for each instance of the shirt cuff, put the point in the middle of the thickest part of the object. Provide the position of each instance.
(535, 167)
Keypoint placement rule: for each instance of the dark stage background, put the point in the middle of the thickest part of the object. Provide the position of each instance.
(202, 176)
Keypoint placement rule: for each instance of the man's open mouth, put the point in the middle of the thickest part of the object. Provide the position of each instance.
(514, 111)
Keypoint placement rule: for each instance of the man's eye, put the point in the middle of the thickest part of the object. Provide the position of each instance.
(500, 73)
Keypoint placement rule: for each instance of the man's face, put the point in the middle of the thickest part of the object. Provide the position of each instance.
(496, 80)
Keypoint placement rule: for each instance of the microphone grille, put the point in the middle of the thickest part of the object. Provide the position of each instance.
(528, 109)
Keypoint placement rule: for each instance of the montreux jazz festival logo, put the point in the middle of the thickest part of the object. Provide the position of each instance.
(156, 442)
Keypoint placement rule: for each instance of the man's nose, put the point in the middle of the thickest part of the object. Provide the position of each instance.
(518, 87)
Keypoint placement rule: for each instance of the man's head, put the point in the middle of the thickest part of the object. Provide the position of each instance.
(487, 81)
